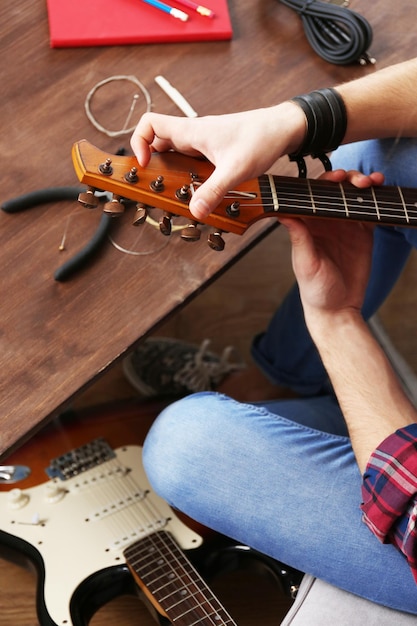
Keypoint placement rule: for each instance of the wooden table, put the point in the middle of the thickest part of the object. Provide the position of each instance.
(57, 338)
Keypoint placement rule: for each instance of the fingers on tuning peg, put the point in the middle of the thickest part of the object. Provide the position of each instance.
(140, 215)
(88, 198)
(191, 232)
(216, 241)
(114, 207)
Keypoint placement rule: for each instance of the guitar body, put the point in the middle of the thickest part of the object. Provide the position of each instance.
(75, 524)
(87, 519)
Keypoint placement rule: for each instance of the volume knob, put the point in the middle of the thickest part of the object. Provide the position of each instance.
(17, 499)
(54, 493)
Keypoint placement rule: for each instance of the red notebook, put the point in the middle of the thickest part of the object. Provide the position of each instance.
(115, 22)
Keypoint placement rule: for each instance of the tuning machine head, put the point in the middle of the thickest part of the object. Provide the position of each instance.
(158, 185)
(88, 198)
(132, 176)
(191, 232)
(165, 223)
(140, 215)
(115, 207)
(184, 193)
(233, 210)
(216, 241)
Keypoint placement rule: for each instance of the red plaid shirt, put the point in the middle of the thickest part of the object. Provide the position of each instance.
(389, 493)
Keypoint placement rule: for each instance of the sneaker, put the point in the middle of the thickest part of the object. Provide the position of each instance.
(169, 367)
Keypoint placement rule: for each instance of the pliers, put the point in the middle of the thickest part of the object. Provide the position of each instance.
(55, 194)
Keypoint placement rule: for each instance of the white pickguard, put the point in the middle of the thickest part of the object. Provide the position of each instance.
(82, 525)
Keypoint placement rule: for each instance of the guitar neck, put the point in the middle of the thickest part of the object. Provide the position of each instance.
(386, 205)
(168, 578)
(170, 178)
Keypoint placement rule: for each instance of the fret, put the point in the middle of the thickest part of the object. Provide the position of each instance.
(342, 193)
(403, 203)
(174, 583)
(274, 194)
(329, 200)
(376, 205)
(311, 197)
(387, 205)
(266, 184)
(392, 206)
(362, 203)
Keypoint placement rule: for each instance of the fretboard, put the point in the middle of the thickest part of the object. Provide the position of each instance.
(163, 569)
(387, 205)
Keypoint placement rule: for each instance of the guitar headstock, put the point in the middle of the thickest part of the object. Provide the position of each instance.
(167, 183)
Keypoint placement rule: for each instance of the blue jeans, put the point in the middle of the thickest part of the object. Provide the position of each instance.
(281, 476)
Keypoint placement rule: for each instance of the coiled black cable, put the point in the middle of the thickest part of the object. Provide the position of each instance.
(335, 33)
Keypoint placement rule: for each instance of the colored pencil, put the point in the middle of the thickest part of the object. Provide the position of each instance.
(196, 7)
(167, 9)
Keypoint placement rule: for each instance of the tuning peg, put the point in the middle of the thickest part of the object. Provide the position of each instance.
(191, 232)
(184, 193)
(114, 207)
(165, 223)
(216, 241)
(132, 176)
(158, 184)
(140, 215)
(106, 168)
(233, 210)
(88, 199)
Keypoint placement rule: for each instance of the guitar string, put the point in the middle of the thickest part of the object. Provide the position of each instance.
(125, 130)
(214, 615)
(107, 506)
(393, 199)
(145, 513)
(153, 538)
(214, 611)
(138, 519)
(154, 224)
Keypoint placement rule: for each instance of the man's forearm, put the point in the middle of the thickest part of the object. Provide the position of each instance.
(382, 104)
(370, 395)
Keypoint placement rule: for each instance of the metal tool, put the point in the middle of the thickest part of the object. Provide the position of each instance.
(56, 194)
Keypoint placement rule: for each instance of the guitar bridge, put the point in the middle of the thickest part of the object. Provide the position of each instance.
(80, 459)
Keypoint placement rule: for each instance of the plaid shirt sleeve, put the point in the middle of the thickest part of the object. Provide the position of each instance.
(389, 493)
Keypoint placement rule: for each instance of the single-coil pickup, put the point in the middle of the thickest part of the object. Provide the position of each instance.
(117, 505)
(138, 533)
(93, 478)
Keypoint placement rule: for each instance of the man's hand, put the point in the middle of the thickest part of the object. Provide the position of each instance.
(332, 257)
(241, 146)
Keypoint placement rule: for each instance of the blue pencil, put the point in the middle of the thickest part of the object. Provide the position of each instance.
(167, 9)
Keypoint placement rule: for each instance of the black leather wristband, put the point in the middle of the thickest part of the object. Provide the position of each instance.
(326, 117)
